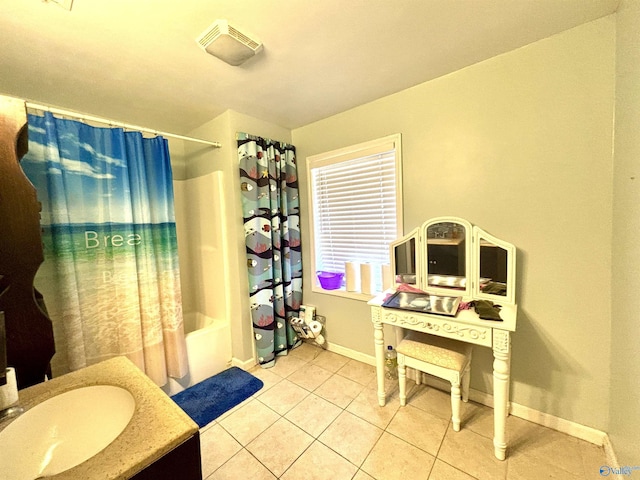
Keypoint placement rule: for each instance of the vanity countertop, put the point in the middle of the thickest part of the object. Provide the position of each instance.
(157, 426)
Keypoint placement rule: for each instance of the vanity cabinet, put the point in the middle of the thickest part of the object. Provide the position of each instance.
(182, 462)
(446, 257)
(160, 442)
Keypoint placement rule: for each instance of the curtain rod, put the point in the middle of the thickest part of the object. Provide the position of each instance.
(66, 113)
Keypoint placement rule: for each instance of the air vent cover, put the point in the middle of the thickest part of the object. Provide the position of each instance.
(226, 42)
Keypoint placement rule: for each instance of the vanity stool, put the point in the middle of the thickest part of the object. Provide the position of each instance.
(439, 356)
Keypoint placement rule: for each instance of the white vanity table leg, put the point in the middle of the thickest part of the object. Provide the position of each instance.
(501, 370)
(402, 380)
(378, 335)
(455, 404)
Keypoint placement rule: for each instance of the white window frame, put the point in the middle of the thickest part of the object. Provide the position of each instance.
(351, 153)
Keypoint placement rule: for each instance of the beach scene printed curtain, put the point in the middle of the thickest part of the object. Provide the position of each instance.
(110, 279)
(270, 205)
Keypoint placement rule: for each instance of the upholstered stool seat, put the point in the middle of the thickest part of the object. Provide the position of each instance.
(442, 357)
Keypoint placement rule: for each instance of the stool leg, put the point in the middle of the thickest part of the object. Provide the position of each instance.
(418, 377)
(402, 381)
(455, 405)
(466, 379)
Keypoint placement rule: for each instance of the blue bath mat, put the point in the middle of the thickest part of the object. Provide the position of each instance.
(207, 400)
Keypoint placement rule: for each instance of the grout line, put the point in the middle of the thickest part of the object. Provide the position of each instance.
(449, 425)
(265, 467)
(455, 468)
(547, 420)
(342, 410)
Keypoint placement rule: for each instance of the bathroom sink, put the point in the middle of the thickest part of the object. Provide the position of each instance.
(64, 431)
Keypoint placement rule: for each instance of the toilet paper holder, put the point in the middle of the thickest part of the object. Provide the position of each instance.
(307, 326)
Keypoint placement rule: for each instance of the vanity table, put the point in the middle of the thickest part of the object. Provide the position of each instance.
(483, 268)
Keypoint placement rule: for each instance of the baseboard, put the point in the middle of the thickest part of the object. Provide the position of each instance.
(347, 352)
(582, 432)
(612, 458)
(243, 364)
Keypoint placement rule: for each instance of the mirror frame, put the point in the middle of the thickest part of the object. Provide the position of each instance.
(415, 234)
(424, 249)
(473, 237)
(509, 298)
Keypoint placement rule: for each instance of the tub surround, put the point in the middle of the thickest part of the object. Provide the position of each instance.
(208, 350)
(158, 425)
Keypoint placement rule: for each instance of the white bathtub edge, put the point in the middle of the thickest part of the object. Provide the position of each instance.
(208, 350)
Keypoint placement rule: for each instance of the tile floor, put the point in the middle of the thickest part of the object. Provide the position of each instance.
(322, 421)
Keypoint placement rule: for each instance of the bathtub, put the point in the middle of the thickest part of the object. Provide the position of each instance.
(208, 350)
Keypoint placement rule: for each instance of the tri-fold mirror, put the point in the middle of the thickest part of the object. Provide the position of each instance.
(448, 256)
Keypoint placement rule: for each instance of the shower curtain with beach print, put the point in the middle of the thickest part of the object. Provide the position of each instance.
(270, 205)
(110, 278)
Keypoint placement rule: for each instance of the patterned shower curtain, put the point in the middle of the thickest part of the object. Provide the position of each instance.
(110, 278)
(270, 205)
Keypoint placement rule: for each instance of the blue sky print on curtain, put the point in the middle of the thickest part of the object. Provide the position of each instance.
(110, 277)
(270, 205)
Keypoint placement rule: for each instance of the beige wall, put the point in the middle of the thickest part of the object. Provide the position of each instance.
(201, 161)
(520, 145)
(624, 414)
(177, 151)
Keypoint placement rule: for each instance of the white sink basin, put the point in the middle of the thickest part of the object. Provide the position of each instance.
(64, 431)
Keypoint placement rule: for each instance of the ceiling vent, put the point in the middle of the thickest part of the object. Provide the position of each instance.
(226, 42)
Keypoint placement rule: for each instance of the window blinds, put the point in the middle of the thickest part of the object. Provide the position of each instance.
(355, 211)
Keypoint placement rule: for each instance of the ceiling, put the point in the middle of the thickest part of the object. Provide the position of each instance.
(137, 61)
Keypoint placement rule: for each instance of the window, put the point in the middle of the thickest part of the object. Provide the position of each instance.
(355, 205)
